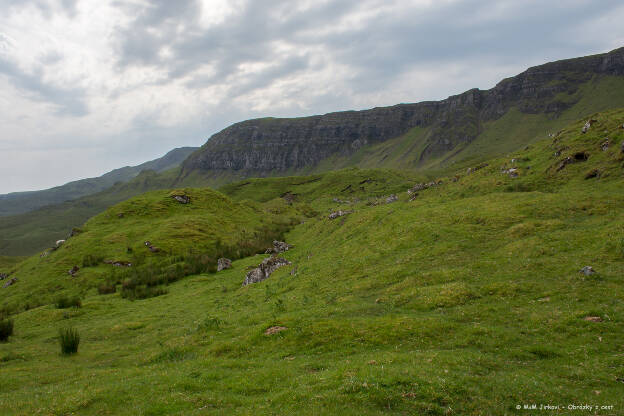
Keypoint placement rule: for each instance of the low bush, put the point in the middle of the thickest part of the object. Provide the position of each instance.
(107, 288)
(90, 260)
(6, 329)
(64, 302)
(136, 292)
(69, 338)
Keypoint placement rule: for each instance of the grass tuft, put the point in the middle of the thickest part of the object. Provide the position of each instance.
(6, 329)
(64, 302)
(69, 338)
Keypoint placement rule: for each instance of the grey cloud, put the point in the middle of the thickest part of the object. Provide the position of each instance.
(389, 44)
(47, 7)
(67, 101)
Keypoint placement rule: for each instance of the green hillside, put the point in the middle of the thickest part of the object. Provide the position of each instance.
(464, 299)
(188, 238)
(36, 230)
(20, 202)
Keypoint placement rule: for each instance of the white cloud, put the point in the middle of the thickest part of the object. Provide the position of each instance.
(92, 85)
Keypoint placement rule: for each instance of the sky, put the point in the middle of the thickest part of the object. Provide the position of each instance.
(87, 86)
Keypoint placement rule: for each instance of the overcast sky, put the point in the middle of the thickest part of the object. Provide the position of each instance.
(87, 86)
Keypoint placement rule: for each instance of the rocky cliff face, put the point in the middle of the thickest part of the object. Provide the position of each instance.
(268, 146)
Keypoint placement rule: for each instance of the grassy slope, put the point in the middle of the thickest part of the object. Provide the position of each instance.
(27, 233)
(33, 231)
(467, 300)
(9, 262)
(119, 234)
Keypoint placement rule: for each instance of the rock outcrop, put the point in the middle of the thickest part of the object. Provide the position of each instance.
(587, 270)
(278, 247)
(183, 199)
(10, 282)
(338, 214)
(264, 269)
(271, 146)
(223, 264)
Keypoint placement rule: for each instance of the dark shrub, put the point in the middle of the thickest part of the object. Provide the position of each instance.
(107, 288)
(90, 260)
(6, 329)
(69, 340)
(142, 292)
(63, 302)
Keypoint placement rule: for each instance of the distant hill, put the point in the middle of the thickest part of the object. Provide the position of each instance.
(422, 136)
(20, 202)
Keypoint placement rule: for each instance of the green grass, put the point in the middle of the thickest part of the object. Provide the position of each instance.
(9, 262)
(467, 300)
(186, 239)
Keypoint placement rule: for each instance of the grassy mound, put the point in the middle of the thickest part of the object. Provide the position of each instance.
(149, 241)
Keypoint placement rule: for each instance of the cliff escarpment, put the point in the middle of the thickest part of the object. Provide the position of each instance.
(271, 146)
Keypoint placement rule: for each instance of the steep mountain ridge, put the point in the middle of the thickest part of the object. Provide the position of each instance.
(21, 202)
(271, 146)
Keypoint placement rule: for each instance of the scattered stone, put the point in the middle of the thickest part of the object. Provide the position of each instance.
(278, 247)
(338, 214)
(577, 157)
(289, 197)
(264, 269)
(274, 330)
(183, 199)
(223, 264)
(392, 198)
(44, 254)
(10, 282)
(60, 243)
(118, 263)
(476, 168)
(413, 196)
(605, 145)
(293, 272)
(422, 186)
(587, 270)
(512, 172)
(151, 248)
(72, 272)
(372, 362)
(587, 126)
(593, 319)
(3, 276)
